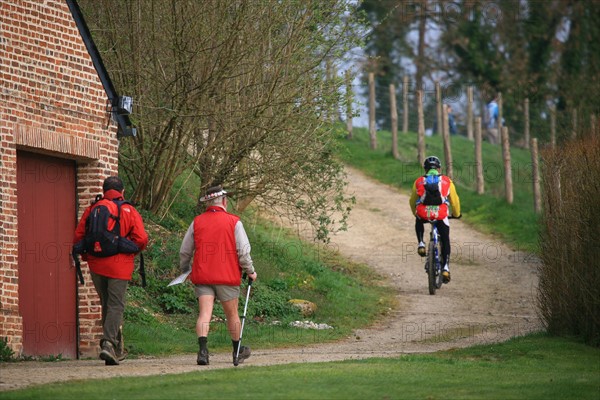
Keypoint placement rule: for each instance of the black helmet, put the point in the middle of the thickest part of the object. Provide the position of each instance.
(431, 163)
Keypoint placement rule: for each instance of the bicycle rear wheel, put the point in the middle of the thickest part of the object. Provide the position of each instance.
(430, 265)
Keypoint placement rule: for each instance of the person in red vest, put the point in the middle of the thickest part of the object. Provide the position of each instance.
(111, 274)
(216, 249)
(429, 200)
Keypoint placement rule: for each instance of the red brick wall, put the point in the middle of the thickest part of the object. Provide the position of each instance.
(51, 101)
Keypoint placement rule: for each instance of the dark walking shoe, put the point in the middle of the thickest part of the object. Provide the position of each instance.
(202, 357)
(108, 353)
(244, 353)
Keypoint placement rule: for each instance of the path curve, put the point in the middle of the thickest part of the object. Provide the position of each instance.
(491, 298)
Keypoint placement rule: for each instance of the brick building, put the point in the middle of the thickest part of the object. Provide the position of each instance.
(60, 128)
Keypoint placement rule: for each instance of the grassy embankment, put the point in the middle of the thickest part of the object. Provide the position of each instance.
(516, 223)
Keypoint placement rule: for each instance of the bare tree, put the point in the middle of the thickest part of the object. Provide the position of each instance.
(234, 90)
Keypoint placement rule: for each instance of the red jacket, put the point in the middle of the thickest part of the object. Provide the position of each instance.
(119, 266)
(215, 257)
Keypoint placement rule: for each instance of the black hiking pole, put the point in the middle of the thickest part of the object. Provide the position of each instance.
(237, 354)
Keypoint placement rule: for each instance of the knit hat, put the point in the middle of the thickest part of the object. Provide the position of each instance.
(213, 193)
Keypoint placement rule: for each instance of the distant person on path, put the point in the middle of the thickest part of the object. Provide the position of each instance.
(111, 274)
(451, 121)
(493, 135)
(216, 249)
(431, 194)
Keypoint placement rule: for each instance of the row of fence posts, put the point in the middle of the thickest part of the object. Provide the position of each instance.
(474, 133)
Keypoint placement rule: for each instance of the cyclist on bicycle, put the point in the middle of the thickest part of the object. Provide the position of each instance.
(431, 194)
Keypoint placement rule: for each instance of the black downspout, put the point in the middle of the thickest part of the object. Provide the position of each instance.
(123, 121)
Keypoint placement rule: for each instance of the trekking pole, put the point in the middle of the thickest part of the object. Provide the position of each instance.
(237, 355)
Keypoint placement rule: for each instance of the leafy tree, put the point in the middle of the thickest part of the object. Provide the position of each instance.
(578, 80)
(385, 47)
(234, 91)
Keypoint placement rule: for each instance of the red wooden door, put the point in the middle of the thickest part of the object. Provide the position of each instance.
(47, 282)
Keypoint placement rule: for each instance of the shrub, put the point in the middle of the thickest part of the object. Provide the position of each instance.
(569, 288)
(6, 353)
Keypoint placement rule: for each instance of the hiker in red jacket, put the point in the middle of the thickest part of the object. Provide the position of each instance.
(216, 249)
(111, 274)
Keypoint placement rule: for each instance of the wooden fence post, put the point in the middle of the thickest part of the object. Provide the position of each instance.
(349, 100)
(593, 126)
(329, 77)
(438, 107)
(405, 104)
(526, 115)
(553, 126)
(508, 186)
(447, 149)
(470, 112)
(478, 158)
(394, 116)
(421, 128)
(372, 128)
(537, 200)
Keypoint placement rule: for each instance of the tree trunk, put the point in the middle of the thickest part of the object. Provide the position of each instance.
(420, 62)
(349, 100)
(394, 116)
(470, 112)
(447, 149)
(421, 129)
(405, 104)
(438, 107)
(574, 125)
(478, 158)
(535, 175)
(553, 126)
(526, 115)
(372, 128)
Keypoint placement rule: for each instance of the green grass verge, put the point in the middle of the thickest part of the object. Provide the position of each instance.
(161, 321)
(516, 224)
(531, 367)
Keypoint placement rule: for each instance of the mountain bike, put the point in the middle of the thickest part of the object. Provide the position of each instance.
(433, 262)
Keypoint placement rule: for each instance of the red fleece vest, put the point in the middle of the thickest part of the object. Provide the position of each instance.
(215, 256)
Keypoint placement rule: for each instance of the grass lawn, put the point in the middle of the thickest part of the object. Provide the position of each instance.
(531, 367)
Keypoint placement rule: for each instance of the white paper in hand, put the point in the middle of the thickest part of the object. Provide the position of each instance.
(180, 279)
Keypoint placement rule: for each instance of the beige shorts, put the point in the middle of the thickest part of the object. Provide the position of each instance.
(492, 135)
(221, 292)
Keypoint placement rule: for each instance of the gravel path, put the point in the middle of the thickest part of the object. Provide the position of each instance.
(491, 298)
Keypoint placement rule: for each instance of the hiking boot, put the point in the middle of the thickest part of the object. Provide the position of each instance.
(121, 355)
(421, 249)
(244, 353)
(446, 276)
(108, 353)
(202, 357)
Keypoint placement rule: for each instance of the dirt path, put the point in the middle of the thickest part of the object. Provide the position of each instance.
(490, 299)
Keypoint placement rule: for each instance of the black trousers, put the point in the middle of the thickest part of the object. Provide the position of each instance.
(444, 232)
